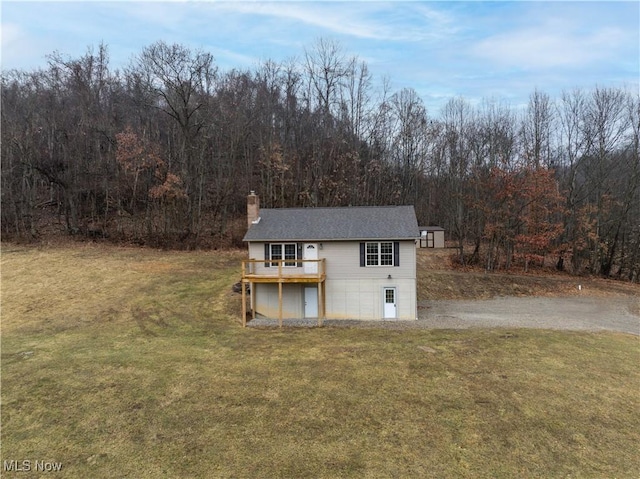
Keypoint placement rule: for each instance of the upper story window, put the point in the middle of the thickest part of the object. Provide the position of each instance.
(380, 253)
(285, 251)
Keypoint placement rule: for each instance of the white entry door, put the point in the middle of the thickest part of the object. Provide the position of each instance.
(390, 303)
(310, 251)
(310, 301)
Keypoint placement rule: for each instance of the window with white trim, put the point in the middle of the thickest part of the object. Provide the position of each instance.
(289, 250)
(379, 253)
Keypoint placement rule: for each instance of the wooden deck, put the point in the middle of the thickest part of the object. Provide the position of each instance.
(281, 272)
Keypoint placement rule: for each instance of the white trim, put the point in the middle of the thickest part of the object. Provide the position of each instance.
(311, 267)
(286, 260)
(379, 254)
(384, 302)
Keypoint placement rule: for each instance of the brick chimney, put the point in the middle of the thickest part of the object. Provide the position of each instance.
(253, 208)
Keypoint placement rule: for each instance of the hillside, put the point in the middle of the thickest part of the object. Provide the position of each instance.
(439, 279)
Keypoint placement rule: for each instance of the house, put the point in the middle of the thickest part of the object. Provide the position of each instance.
(335, 263)
(431, 237)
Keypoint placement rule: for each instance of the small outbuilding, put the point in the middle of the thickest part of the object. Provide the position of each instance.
(431, 237)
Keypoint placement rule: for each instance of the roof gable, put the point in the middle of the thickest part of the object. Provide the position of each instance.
(326, 224)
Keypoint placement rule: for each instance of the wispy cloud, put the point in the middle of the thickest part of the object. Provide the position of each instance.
(334, 20)
(405, 21)
(21, 49)
(542, 47)
(12, 35)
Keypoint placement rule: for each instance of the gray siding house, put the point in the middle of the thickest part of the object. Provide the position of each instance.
(335, 263)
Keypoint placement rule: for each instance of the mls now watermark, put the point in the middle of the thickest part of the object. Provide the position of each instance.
(31, 466)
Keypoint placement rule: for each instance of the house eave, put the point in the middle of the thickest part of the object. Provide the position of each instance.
(323, 240)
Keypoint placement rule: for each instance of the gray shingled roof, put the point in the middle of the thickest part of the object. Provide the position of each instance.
(325, 224)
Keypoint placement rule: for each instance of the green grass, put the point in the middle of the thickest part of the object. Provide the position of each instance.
(131, 363)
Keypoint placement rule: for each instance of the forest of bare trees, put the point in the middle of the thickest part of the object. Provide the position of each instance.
(164, 151)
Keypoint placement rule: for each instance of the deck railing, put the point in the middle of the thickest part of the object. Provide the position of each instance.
(283, 269)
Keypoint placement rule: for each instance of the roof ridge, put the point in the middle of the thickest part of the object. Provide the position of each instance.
(336, 207)
(339, 222)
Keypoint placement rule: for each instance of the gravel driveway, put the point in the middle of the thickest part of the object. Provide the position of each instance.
(572, 313)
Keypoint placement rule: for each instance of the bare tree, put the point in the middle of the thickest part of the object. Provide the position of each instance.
(537, 130)
(179, 83)
(458, 121)
(326, 66)
(409, 141)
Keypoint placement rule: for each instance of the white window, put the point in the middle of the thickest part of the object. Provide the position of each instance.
(290, 253)
(372, 254)
(286, 251)
(379, 254)
(276, 252)
(386, 254)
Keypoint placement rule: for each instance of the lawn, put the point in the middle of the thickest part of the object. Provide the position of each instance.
(123, 362)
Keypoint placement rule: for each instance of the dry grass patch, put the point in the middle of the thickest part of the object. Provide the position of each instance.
(146, 373)
(49, 289)
(437, 280)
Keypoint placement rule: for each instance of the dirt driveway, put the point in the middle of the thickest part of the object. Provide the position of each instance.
(616, 313)
(620, 314)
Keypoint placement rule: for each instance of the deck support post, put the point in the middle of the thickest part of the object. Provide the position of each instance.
(320, 305)
(244, 304)
(324, 301)
(252, 299)
(280, 303)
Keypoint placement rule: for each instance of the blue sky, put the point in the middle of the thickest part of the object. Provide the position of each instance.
(476, 50)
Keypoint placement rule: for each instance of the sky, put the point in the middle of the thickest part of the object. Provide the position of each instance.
(499, 51)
